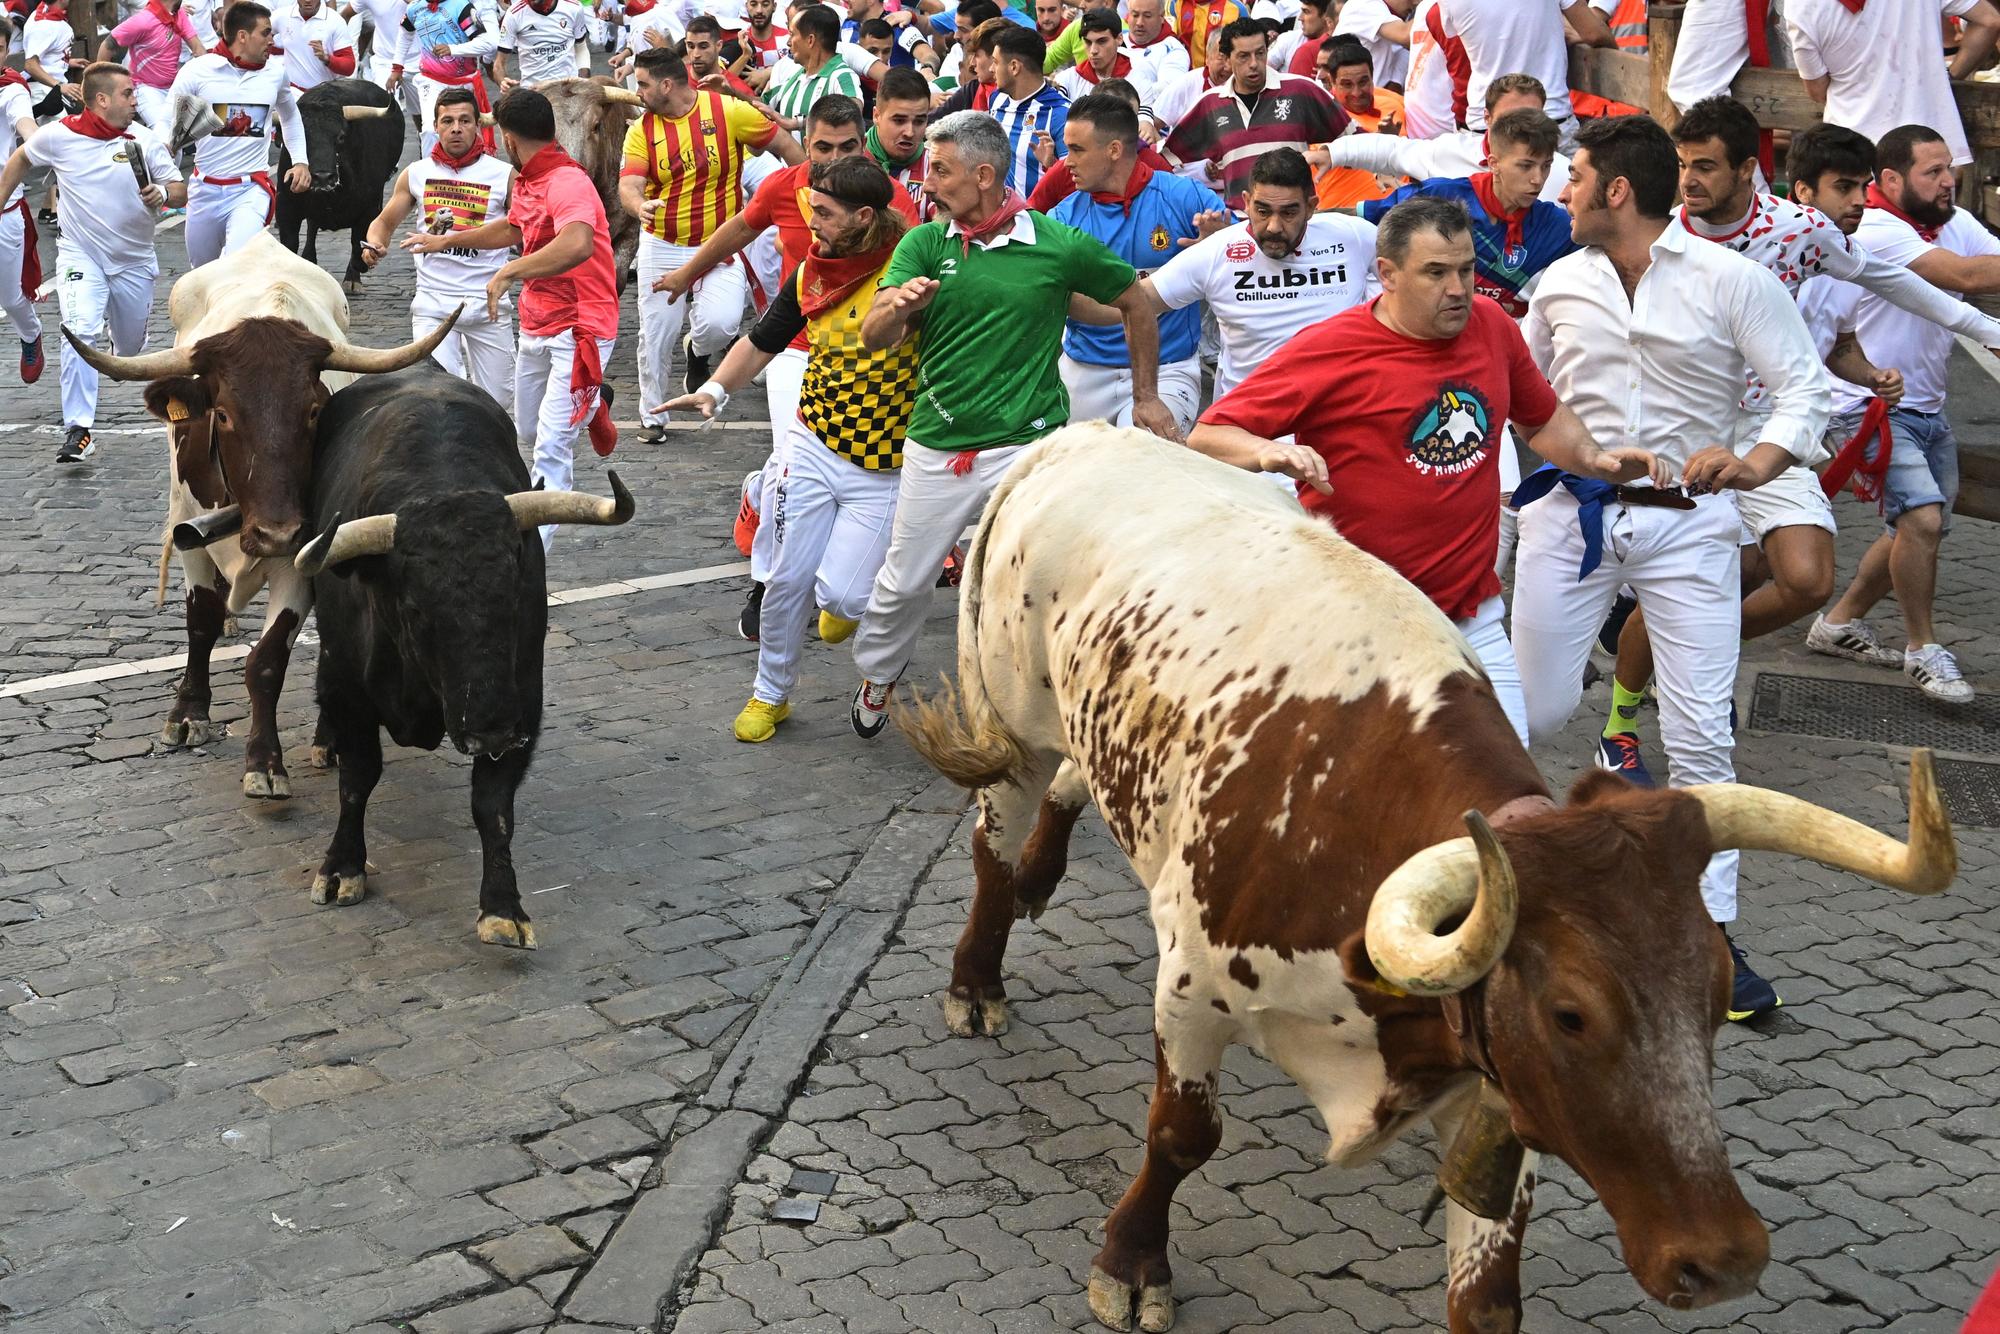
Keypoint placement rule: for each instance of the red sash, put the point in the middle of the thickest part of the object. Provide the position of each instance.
(31, 255)
(1853, 461)
(260, 179)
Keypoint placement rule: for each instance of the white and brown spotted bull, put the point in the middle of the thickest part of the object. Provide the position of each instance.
(260, 344)
(1353, 866)
(592, 116)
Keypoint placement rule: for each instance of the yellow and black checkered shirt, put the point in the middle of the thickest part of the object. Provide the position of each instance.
(856, 401)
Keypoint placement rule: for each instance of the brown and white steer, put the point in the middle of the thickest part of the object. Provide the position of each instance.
(1290, 743)
(592, 116)
(260, 344)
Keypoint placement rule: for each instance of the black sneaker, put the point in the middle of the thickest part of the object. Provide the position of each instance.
(747, 621)
(76, 446)
(697, 366)
(1750, 995)
(652, 433)
(870, 710)
(46, 218)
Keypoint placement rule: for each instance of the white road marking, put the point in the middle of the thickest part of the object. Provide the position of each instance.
(561, 598)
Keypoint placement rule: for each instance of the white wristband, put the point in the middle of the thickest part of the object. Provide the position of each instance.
(716, 392)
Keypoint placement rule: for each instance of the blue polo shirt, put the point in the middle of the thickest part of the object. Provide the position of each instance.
(1145, 235)
(1503, 269)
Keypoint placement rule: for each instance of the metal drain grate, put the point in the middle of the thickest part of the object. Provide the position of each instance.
(1863, 711)
(1971, 792)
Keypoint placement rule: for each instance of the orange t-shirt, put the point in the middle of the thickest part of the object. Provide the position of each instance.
(1344, 187)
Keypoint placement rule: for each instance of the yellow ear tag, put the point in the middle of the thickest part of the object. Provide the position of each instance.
(176, 410)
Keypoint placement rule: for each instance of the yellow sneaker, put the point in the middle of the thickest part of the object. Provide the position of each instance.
(759, 721)
(833, 629)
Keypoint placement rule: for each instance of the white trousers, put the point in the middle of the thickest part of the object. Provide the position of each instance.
(542, 365)
(476, 349)
(380, 66)
(1510, 520)
(1683, 567)
(220, 218)
(782, 379)
(717, 300)
(155, 108)
(19, 305)
(1105, 392)
(832, 523)
(933, 506)
(93, 301)
(1486, 631)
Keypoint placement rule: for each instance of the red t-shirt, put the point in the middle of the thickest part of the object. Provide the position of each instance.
(784, 201)
(1410, 431)
(1305, 60)
(551, 193)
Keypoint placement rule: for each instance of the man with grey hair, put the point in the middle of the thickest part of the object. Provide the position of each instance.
(987, 286)
(1398, 445)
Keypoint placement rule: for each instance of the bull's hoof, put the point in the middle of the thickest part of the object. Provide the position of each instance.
(231, 627)
(342, 888)
(186, 733)
(1029, 909)
(507, 931)
(322, 757)
(353, 286)
(267, 786)
(983, 1011)
(1114, 1303)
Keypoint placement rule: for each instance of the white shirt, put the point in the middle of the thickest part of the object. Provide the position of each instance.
(1363, 19)
(1664, 369)
(1075, 85)
(544, 44)
(49, 41)
(1163, 60)
(102, 214)
(16, 105)
(1797, 243)
(387, 16)
(294, 36)
(1427, 95)
(1454, 156)
(1828, 306)
(1511, 37)
(1886, 64)
(246, 100)
(453, 200)
(1172, 101)
(1260, 302)
(1916, 347)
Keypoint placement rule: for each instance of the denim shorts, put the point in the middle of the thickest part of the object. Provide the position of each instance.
(1923, 462)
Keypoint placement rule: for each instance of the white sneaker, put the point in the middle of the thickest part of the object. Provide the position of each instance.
(1934, 669)
(870, 709)
(1855, 641)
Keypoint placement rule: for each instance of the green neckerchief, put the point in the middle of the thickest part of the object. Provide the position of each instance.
(882, 158)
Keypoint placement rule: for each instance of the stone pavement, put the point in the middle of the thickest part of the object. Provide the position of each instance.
(228, 1110)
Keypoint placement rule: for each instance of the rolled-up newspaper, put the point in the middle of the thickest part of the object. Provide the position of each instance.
(192, 119)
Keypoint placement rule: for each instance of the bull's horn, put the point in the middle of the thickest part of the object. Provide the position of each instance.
(364, 113)
(613, 93)
(379, 361)
(372, 536)
(146, 366)
(1740, 816)
(488, 120)
(532, 509)
(1469, 877)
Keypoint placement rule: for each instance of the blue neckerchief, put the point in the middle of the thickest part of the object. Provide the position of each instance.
(1590, 497)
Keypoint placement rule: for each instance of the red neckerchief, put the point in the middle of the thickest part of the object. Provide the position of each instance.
(827, 280)
(1120, 69)
(230, 56)
(8, 76)
(444, 159)
(1854, 6)
(93, 126)
(543, 9)
(1164, 34)
(1876, 199)
(546, 161)
(57, 12)
(1489, 199)
(160, 12)
(638, 7)
(1142, 174)
(1002, 218)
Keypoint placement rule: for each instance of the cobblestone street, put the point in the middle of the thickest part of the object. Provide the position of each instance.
(230, 1111)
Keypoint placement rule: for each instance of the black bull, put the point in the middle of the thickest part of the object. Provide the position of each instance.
(433, 604)
(352, 158)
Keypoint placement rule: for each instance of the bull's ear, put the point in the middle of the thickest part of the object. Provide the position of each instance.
(182, 402)
(1354, 961)
(177, 399)
(1598, 785)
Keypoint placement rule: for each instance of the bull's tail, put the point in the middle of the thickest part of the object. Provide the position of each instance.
(166, 557)
(957, 730)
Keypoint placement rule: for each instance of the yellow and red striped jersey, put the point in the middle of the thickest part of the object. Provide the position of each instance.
(695, 163)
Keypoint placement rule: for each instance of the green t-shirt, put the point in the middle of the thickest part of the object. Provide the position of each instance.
(986, 370)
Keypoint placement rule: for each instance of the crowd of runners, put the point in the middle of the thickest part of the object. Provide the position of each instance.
(1373, 249)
